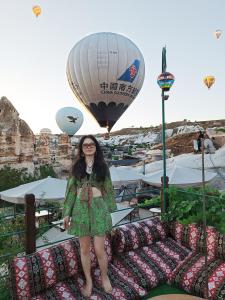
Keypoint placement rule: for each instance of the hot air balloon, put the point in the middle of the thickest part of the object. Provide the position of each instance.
(165, 81)
(36, 10)
(209, 81)
(217, 33)
(69, 120)
(105, 71)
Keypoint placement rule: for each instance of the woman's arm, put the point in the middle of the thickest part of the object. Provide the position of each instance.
(109, 195)
(70, 197)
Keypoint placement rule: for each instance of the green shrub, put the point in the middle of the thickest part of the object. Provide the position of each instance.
(153, 202)
(186, 206)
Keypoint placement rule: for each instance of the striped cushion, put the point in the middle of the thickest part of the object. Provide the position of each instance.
(192, 236)
(124, 287)
(190, 275)
(220, 245)
(32, 274)
(151, 265)
(136, 235)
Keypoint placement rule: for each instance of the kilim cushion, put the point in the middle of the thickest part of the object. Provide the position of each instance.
(211, 241)
(70, 289)
(136, 235)
(151, 265)
(190, 275)
(220, 245)
(33, 274)
(124, 287)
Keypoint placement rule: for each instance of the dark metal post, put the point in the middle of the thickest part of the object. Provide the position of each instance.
(204, 215)
(163, 193)
(30, 240)
(164, 152)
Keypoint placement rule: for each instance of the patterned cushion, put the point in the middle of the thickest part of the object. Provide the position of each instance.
(123, 287)
(151, 265)
(176, 230)
(192, 236)
(136, 235)
(32, 274)
(70, 289)
(190, 275)
(211, 241)
(220, 246)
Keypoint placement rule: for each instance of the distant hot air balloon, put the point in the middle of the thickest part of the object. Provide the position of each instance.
(105, 71)
(217, 33)
(209, 81)
(69, 120)
(36, 10)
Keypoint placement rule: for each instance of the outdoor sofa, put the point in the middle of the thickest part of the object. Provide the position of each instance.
(141, 256)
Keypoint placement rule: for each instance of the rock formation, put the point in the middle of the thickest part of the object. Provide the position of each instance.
(16, 137)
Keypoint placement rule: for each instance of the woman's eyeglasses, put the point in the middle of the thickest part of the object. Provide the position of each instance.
(90, 145)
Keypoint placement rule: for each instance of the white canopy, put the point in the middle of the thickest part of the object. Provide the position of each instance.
(179, 176)
(123, 175)
(44, 189)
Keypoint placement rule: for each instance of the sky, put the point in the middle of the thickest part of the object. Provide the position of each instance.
(34, 52)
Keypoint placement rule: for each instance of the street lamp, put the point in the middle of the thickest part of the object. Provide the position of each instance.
(165, 81)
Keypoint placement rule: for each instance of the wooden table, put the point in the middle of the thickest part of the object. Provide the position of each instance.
(175, 297)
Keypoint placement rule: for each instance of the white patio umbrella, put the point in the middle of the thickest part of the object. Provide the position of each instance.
(122, 175)
(45, 189)
(179, 176)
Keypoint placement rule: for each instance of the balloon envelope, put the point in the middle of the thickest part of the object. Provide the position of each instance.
(217, 33)
(165, 81)
(209, 81)
(36, 10)
(106, 72)
(69, 120)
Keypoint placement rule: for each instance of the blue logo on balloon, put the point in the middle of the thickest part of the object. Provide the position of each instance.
(131, 72)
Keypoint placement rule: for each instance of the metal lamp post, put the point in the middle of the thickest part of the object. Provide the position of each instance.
(165, 81)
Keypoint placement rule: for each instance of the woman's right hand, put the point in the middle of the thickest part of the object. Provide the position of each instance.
(66, 222)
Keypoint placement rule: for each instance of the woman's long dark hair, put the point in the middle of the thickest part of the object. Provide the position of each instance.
(100, 168)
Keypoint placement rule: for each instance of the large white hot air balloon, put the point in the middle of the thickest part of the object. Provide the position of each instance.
(105, 71)
(69, 120)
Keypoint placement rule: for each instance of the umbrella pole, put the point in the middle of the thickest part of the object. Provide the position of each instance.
(204, 216)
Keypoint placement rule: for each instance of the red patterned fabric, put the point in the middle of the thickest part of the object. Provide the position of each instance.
(35, 273)
(220, 246)
(211, 241)
(124, 287)
(192, 236)
(136, 235)
(176, 231)
(151, 265)
(190, 275)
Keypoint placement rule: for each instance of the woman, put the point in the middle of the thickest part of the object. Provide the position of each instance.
(88, 203)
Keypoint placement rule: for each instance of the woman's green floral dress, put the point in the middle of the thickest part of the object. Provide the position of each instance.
(93, 219)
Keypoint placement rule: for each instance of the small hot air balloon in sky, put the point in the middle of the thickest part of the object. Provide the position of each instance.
(36, 10)
(105, 71)
(165, 81)
(217, 33)
(209, 81)
(69, 120)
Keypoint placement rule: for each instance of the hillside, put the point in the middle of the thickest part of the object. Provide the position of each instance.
(172, 125)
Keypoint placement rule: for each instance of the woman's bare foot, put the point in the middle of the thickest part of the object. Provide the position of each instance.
(107, 285)
(87, 290)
